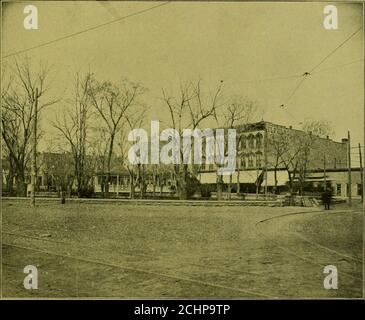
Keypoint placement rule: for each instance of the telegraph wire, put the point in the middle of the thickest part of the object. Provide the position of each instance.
(303, 76)
(294, 76)
(338, 66)
(85, 30)
(296, 88)
(273, 78)
(306, 74)
(289, 113)
(334, 50)
(297, 76)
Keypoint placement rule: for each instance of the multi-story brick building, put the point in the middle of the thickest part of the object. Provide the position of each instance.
(267, 153)
(259, 144)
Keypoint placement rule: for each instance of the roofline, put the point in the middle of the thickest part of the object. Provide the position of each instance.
(288, 128)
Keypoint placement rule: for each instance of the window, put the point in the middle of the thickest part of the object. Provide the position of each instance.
(359, 189)
(243, 142)
(243, 162)
(100, 179)
(39, 181)
(251, 141)
(113, 180)
(250, 161)
(338, 189)
(258, 159)
(258, 140)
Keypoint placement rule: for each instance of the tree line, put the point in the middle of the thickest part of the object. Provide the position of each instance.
(94, 121)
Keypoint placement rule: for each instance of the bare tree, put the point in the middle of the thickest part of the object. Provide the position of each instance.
(239, 111)
(7, 168)
(23, 88)
(320, 128)
(100, 152)
(314, 129)
(111, 103)
(73, 126)
(59, 170)
(189, 109)
(287, 152)
(133, 118)
(295, 150)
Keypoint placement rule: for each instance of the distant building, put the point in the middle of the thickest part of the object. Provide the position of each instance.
(337, 179)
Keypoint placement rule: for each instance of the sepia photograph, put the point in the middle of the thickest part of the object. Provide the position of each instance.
(182, 150)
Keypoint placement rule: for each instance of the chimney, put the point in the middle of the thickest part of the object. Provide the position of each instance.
(344, 140)
(327, 137)
(290, 127)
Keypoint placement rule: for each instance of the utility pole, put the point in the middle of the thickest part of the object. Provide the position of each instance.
(361, 175)
(117, 185)
(349, 168)
(265, 159)
(239, 164)
(34, 153)
(324, 173)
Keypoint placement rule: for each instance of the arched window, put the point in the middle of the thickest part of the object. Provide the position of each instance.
(259, 159)
(243, 162)
(251, 141)
(258, 140)
(243, 142)
(250, 160)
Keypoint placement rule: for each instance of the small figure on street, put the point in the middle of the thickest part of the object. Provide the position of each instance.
(326, 199)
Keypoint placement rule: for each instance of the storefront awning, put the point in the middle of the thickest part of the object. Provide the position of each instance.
(208, 177)
(281, 177)
(249, 177)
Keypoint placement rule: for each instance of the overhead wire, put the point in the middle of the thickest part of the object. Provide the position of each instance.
(71, 35)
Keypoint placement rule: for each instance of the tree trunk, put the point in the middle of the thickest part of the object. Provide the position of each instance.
(153, 183)
(275, 180)
(110, 152)
(291, 190)
(238, 182)
(161, 187)
(21, 187)
(10, 181)
(300, 187)
(79, 175)
(63, 196)
(132, 187)
(181, 185)
(219, 187)
(141, 183)
(181, 188)
(106, 188)
(230, 187)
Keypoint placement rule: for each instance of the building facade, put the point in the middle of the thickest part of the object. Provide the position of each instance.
(267, 153)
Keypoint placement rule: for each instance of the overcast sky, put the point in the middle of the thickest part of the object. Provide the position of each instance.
(238, 43)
